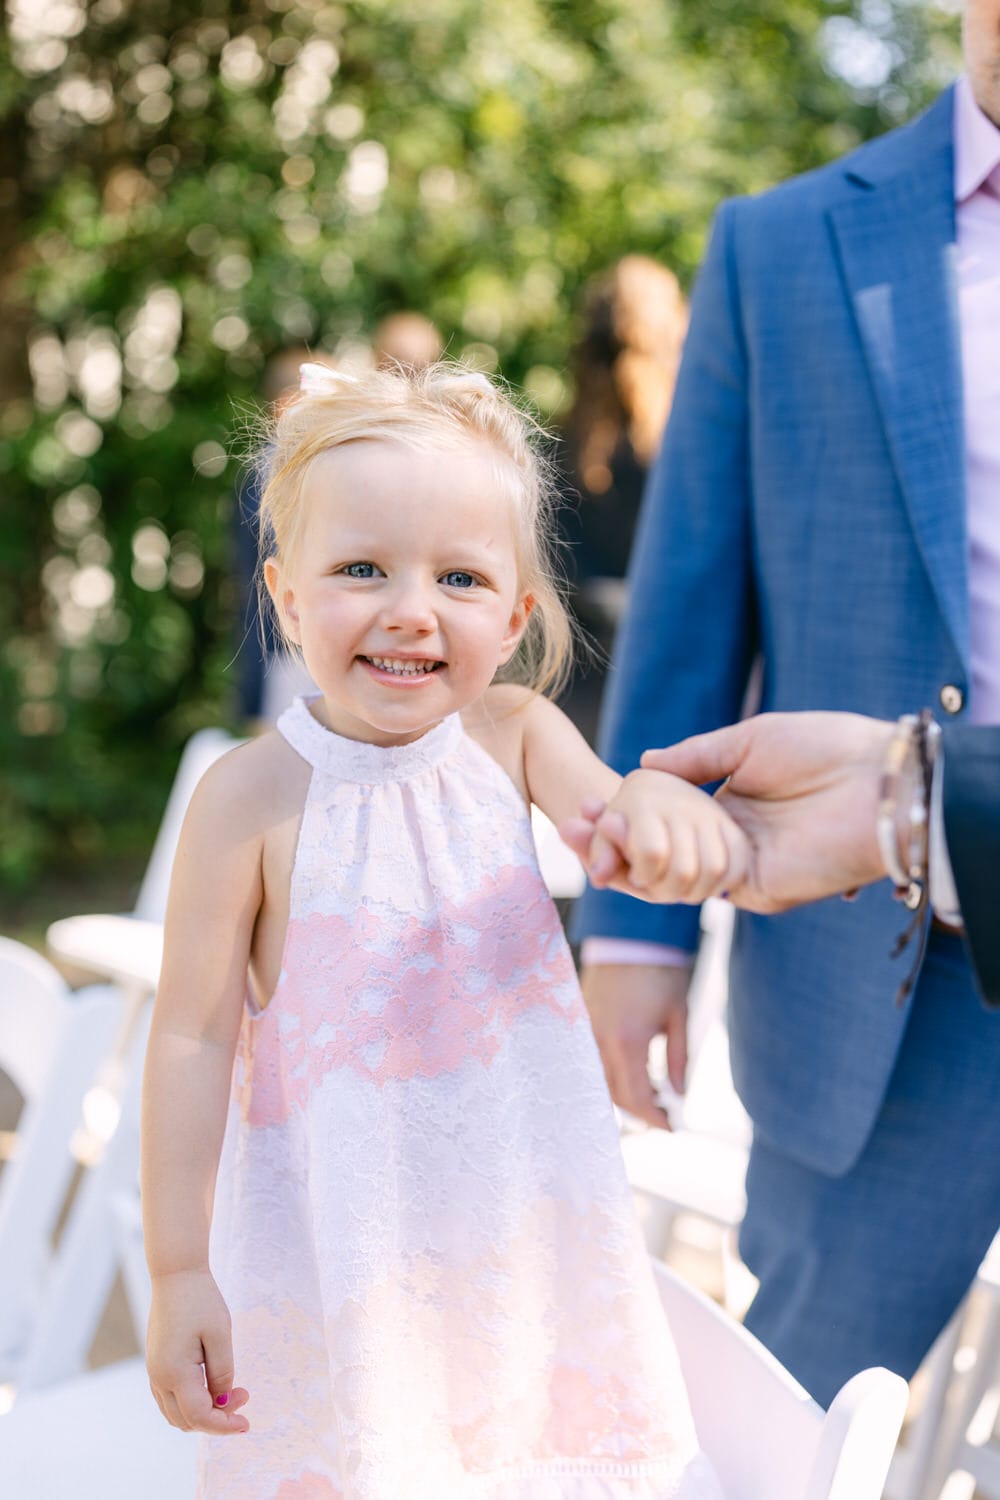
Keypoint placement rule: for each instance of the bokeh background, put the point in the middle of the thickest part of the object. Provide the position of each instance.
(185, 190)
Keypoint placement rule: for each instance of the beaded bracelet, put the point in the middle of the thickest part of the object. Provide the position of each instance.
(901, 749)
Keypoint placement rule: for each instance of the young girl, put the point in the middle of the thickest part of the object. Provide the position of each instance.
(422, 1228)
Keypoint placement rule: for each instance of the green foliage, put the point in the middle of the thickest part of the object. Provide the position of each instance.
(189, 188)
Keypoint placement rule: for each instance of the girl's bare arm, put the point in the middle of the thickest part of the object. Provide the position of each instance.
(560, 768)
(215, 896)
(660, 839)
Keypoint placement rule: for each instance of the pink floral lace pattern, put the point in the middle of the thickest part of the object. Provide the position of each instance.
(423, 1227)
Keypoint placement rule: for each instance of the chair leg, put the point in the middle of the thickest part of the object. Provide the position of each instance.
(911, 1467)
(739, 1284)
(973, 1419)
(656, 1218)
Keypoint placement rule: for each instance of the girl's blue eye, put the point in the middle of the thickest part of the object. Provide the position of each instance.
(359, 570)
(459, 580)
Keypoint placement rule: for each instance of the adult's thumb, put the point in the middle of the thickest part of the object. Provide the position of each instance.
(702, 758)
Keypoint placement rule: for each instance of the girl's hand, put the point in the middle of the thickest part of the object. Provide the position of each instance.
(660, 839)
(189, 1326)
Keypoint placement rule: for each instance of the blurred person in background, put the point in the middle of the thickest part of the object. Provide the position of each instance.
(625, 368)
(270, 675)
(827, 502)
(406, 339)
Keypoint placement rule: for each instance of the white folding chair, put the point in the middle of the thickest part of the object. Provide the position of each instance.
(51, 1043)
(127, 948)
(561, 870)
(90, 1252)
(962, 1450)
(699, 1167)
(99, 1437)
(919, 1455)
(766, 1437)
(202, 750)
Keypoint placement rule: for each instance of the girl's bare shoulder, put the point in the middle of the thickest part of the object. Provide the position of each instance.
(498, 721)
(252, 787)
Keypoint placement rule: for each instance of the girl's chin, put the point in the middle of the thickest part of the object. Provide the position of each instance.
(382, 723)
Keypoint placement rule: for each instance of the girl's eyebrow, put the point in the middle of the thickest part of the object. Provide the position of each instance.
(357, 542)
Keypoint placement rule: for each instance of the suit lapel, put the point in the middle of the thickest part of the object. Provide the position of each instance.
(896, 236)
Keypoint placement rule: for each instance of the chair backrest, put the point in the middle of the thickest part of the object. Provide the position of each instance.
(200, 752)
(90, 1249)
(32, 1010)
(561, 870)
(766, 1437)
(51, 1044)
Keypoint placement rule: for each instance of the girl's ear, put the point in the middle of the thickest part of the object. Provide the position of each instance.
(283, 599)
(516, 626)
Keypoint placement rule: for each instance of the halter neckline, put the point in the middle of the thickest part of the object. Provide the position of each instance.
(359, 761)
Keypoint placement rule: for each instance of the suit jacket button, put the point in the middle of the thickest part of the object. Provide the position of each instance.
(952, 698)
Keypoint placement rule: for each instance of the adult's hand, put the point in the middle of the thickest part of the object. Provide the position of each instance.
(629, 1005)
(804, 788)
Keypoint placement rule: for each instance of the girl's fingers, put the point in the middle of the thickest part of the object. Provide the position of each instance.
(201, 1416)
(604, 861)
(685, 866)
(577, 833)
(198, 1410)
(608, 848)
(649, 850)
(217, 1347)
(159, 1400)
(171, 1410)
(714, 864)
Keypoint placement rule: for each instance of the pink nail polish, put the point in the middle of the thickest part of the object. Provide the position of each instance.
(221, 1400)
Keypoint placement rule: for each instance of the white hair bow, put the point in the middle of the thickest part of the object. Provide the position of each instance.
(480, 382)
(322, 380)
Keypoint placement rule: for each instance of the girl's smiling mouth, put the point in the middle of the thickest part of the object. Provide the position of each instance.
(408, 667)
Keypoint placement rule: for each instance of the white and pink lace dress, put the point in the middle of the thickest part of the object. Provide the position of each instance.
(423, 1229)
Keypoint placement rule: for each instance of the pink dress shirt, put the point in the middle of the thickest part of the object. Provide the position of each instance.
(977, 218)
(977, 214)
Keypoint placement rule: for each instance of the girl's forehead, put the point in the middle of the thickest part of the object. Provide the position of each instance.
(370, 475)
(377, 457)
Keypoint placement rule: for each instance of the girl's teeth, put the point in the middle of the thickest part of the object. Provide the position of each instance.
(402, 668)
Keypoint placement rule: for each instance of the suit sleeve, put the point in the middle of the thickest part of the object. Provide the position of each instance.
(971, 796)
(684, 650)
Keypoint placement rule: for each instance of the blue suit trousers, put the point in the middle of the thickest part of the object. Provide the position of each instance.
(867, 1268)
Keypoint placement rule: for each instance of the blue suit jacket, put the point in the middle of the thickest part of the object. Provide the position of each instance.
(972, 830)
(807, 507)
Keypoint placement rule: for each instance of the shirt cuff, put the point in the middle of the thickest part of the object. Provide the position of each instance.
(944, 896)
(604, 950)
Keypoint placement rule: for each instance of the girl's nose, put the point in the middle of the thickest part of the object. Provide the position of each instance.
(410, 607)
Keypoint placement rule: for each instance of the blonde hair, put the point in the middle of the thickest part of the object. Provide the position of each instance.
(442, 405)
